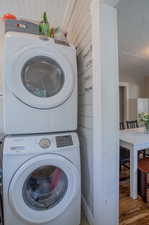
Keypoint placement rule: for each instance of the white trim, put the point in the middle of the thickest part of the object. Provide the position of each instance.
(111, 2)
(97, 102)
(123, 84)
(68, 13)
(87, 211)
(105, 103)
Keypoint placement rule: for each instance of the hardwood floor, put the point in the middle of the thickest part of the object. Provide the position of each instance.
(132, 212)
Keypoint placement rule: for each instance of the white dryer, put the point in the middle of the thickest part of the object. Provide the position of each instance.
(40, 84)
(41, 180)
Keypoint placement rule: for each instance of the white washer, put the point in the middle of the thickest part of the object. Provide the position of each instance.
(41, 180)
(40, 85)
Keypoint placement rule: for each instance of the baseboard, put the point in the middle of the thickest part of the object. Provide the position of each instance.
(87, 211)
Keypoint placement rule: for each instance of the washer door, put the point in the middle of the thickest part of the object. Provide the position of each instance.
(43, 188)
(41, 78)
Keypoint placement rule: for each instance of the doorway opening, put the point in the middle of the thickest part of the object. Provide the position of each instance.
(133, 48)
(123, 102)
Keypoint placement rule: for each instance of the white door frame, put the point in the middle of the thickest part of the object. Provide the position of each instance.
(106, 112)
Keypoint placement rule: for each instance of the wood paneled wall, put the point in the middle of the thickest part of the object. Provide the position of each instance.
(79, 33)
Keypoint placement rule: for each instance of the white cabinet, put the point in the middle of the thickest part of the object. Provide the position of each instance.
(142, 105)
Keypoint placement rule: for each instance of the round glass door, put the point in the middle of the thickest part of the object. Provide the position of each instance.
(42, 188)
(42, 76)
(45, 188)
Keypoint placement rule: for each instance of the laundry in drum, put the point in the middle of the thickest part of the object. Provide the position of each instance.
(37, 91)
(45, 188)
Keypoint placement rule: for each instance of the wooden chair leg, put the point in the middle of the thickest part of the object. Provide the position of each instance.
(145, 187)
(142, 185)
(144, 155)
(138, 156)
(139, 182)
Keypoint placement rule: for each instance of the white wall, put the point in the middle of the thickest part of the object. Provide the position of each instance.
(33, 9)
(136, 85)
(79, 30)
(135, 90)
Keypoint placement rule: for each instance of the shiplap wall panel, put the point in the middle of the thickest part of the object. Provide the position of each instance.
(86, 121)
(79, 33)
(87, 167)
(33, 9)
(79, 10)
(86, 110)
(85, 98)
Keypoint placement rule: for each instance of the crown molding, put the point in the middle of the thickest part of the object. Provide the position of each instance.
(108, 2)
(111, 2)
(96, 4)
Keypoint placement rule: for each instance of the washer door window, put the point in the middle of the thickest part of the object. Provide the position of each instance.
(43, 188)
(41, 78)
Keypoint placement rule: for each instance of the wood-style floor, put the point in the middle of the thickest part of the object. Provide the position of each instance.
(132, 212)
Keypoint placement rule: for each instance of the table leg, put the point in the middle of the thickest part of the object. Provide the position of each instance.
(133, 174)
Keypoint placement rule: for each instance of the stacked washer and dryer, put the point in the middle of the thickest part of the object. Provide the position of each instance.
(41, 155)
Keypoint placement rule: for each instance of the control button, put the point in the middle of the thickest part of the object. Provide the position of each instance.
(45, 143)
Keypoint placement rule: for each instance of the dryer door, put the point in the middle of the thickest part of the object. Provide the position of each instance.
(41, 78)
(43, 188)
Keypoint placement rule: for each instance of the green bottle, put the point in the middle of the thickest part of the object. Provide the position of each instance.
(44, 27)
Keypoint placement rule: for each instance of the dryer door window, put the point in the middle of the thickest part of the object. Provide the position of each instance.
(42, 76)
(45, 188)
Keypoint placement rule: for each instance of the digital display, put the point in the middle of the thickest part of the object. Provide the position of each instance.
(64, 141)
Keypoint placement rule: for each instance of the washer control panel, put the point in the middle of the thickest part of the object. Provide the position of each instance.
(37, 144)
(64, 141)
(45, 143)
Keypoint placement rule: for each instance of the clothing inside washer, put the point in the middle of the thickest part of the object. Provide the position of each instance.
(45, 188)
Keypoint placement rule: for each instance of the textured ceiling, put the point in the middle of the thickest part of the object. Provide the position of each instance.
(33, 9)
(133, 32)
